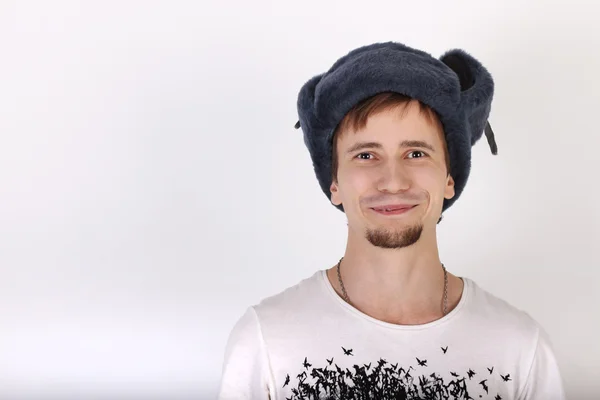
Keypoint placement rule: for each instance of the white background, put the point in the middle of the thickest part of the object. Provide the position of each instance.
(152, 185)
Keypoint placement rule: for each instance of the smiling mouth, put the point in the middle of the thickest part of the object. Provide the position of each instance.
(392, 210)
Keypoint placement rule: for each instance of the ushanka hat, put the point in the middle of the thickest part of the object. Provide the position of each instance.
(456, 86)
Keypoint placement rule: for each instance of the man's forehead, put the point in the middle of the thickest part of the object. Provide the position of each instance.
(384, 132)
(396, 121)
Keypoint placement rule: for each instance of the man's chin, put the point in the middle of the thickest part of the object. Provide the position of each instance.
(394, 238)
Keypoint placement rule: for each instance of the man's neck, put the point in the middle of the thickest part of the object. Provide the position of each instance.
(402, 286)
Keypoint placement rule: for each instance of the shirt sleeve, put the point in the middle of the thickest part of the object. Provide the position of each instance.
(245, 372)
(544, 381)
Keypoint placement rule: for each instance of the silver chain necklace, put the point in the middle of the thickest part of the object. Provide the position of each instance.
(445, 307)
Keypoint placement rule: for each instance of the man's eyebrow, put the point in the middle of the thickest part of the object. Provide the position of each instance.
(417, 143)
(364, 145)
(374, 145)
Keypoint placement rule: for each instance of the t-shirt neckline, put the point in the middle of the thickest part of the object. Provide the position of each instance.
(356, 312)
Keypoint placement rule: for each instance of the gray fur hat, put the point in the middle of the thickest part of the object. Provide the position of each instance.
(456, 86)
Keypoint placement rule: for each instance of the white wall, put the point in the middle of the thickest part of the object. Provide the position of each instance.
(152, 185)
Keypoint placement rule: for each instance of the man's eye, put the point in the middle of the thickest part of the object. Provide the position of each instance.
(362, 156)
(417, 152)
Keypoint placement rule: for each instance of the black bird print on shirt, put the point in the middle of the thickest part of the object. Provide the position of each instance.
(485, 387)
(306, 364)
(383, 380)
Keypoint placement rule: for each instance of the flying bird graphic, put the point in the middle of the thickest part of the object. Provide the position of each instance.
(485, 386)
(324, 380)
(306, 364)
(471, 373)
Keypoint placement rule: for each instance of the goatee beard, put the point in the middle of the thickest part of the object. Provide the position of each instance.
(393, 239)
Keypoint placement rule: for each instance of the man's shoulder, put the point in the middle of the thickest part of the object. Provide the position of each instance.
(496, 312)
(305, 294)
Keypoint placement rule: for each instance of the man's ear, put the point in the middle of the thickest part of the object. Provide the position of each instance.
(335, 194)
(449, 189)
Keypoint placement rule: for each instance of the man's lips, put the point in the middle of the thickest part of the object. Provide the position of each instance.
(393, 209)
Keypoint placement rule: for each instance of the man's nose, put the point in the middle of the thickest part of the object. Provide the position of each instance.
(394, 178)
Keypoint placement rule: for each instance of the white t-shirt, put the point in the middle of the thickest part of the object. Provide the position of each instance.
(308, 343)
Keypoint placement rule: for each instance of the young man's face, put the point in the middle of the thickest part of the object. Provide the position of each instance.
(392, 177)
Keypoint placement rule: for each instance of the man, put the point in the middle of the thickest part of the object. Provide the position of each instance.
(389, 130)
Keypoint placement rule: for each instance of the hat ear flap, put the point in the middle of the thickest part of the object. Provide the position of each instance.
(476, 93)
